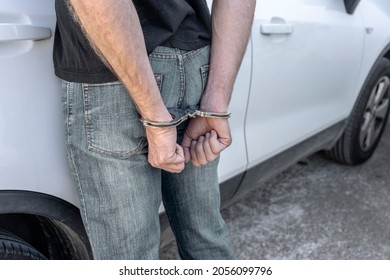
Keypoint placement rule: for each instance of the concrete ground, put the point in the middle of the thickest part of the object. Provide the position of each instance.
(315, 210)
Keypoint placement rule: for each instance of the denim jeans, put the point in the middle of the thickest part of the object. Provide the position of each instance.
(120, 192)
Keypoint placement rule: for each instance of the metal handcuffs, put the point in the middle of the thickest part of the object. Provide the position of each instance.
(181, 115)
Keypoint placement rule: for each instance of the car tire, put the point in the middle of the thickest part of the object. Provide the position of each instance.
(368, 119)
(14, 248)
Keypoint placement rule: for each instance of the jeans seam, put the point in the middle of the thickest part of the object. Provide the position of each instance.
(83, 207)
(174, 56)
(181, 252)
(87, 117)
(102, 84)
(136, 151)
(69, 101)
(163, 56)
(194, 52)
(182, 78)
(69, 104)
(159, 80)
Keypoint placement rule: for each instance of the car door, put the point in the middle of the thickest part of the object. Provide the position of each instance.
(32, 154)
(306, 60)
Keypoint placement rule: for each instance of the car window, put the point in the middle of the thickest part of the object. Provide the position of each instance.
(351, 5)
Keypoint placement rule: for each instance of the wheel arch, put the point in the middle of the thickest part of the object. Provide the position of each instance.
(31, 214)
(384, 54)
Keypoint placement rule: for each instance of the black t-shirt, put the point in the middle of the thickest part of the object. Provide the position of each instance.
(183, 24)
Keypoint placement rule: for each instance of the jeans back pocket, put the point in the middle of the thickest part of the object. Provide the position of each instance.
(112, 121)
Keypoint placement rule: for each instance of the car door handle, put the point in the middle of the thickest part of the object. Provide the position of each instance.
(276, 28)
(17, 32)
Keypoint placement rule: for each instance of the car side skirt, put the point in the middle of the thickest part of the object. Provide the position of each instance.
(259, 174)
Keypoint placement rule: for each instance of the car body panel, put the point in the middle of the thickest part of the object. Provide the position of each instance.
(303, 81)
(32, 154)
(376, 20)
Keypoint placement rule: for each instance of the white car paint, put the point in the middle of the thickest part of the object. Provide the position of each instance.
(290, 86)
(302, 81)
(32, 153)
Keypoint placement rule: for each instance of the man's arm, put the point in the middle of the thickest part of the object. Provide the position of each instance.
(113, 29)
(231, 25)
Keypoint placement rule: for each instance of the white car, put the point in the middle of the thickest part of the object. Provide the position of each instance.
(316, 76)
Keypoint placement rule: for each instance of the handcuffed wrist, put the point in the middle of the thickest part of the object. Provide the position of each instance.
(179, 116)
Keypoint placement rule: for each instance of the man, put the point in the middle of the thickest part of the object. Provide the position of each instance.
(127, 65)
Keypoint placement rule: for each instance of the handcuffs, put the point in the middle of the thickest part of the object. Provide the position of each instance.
(181, 115)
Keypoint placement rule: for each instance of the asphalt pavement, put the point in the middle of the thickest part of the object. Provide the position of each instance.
(315, 210)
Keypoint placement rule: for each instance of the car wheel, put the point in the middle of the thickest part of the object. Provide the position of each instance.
(14, 248)
(367, 120)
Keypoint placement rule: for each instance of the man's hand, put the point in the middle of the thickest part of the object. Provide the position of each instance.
(164, 152)
(205, 139)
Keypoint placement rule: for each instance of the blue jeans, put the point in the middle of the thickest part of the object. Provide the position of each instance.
(120, 192)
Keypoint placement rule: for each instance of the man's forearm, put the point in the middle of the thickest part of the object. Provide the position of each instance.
(114, 30)
(231, 25)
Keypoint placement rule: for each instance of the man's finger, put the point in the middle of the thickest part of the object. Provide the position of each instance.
(210, 156)
(180, 153)
(177, 161)
(186, 144)
(215, 144)
(194, 157)
(202, 160)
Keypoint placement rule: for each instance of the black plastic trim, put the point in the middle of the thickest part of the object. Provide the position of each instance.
(264, 171)
(350, 5)
(34, 203)
(385, 51)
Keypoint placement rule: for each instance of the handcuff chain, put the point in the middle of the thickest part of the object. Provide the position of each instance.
(191, 112)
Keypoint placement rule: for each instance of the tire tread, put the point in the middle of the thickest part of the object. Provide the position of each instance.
(344, 151)
(13, 247)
